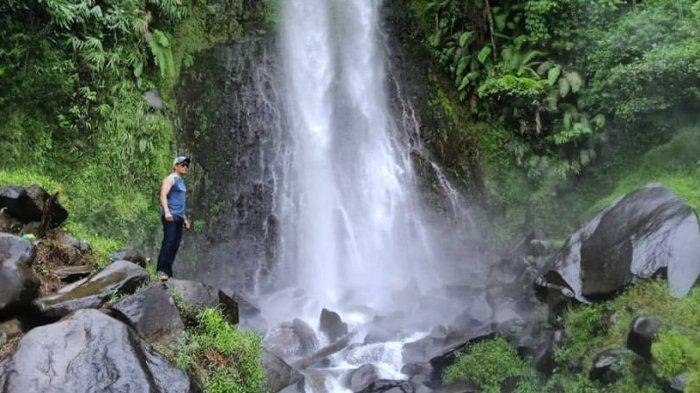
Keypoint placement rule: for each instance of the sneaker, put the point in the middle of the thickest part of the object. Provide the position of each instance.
(163, 277)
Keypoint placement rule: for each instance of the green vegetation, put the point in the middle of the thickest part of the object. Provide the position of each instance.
(72, 78)
(555, 101)
(223, 358)
(591, 329)
(488, 364)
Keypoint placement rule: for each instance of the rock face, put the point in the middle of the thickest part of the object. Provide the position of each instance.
(33, 203)
(88, 352)
(642, 334)
(92, 292)
(198, 296)
(18, 282)
(645, 232)
(331, 325)
(153, 314)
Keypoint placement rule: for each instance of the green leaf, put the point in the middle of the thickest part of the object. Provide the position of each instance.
(465, 38)
(599, 120)
(553, 75)
(463, 63)
(142, 145)
(575, 80)
(564, 87)
(544, 67)
(484, 54)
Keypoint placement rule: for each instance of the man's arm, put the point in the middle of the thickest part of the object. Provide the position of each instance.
(164, 190)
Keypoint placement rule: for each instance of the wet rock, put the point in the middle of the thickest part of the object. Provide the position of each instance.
(291, 340)
(642, 334)
(69, 240)
(331, 325)
(323, 353)
(458, 387)
(199, 296)
(18, 282)
(679, 382)
(130, 254)
(447, 356)
(9, 224)
(279, 373)
(32, 203)
(389, 386)
(607, 366)
(120, 277)
(154, 100)
(544, 359)
(377, 334)
(648, 231)
(72, 273)
(88, 352)
(153, 314)
(362, 377)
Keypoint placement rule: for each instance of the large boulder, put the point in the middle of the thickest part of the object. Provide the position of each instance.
(153, 314)
(647, 231)
(120, 277)
(198, 296)
(389, 386)
(331, 325)
(18, 282)
(88, 352)
(32, 203)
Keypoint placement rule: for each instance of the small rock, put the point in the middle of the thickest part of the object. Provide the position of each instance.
(642, 334)
(608, 364)
(153, 99)
(117, 278)
(70, 241)
(18, 282)
(679, 382)
(130, 254)
(544, 359)
(389, 386)
(72, 273)
(198, 296)
(153, 314)
(331, 325)
(362, 377)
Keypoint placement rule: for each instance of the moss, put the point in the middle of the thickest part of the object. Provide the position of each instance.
(223, 358)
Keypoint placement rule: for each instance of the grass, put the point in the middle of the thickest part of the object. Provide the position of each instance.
(223, 358)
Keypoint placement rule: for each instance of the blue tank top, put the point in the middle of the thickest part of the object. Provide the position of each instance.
(176, 197)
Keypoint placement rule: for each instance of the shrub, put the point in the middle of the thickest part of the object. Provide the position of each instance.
(223, 358)
(487, 363)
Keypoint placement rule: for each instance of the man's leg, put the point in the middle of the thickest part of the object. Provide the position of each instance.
(177, 238)
(165, 258)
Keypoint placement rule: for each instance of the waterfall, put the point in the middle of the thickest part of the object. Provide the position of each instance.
(352, 228)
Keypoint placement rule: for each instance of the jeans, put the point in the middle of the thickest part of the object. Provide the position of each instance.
(172, 235)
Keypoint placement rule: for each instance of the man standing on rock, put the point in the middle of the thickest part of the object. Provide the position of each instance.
(173, 217)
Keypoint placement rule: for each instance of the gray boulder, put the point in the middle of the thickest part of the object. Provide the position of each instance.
(72, 273)
(153, 314)
(117, 278)
(331, 325)
(279, 373)
(362, 377)
(291, 341)
(198, 296)
(88, 352)
(32, 203)
(648, 231)
(18, 282)
(389, 386)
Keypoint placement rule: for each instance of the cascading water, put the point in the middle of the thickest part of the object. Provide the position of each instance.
(352, 229)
